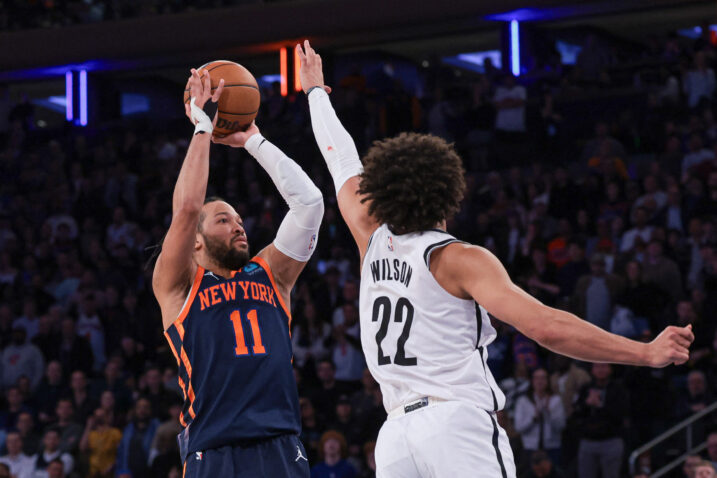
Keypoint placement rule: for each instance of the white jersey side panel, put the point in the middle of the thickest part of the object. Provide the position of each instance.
(418, 339)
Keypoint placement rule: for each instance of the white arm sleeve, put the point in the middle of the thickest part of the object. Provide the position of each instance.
(334, 141)
(298, 232)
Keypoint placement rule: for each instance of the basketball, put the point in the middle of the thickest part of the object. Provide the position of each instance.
(240, 100)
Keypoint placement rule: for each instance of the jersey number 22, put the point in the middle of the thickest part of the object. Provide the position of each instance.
(382, 307)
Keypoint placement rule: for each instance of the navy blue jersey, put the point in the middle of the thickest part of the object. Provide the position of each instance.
(233, 347)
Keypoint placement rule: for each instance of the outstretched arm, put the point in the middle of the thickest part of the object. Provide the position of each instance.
(473, 272)
(175, 266)
(298, 233)
(337, 147)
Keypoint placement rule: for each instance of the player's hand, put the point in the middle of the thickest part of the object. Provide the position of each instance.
(671, 346)
(311, 73)
(202, 91)
(238, 139)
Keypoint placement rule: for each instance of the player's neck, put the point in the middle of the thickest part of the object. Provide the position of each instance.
(214, 268)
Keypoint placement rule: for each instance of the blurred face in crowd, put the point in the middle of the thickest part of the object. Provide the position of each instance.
(696, 383)
(64, 410)
(705, 471)
(55, 470)
(112, 371)
(143, 409)
(690, 463)
(107, 400)
(153, 379)
(51, 441)
(325, 372)
(332, 447)
(712, 446)
(68, 329)
(79, 381)
(351, 291)
(100, 417)
(601, 371)
(632, 270)
(24, 423)
(307, 408)
(540, 381)
(14, 397)
(640, 218)
(541, 467)
(221, 236)
(13, 443)
(343, 411)
(685, 313)
(351, 315)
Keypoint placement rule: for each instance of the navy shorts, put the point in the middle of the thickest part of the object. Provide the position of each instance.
(280, 457)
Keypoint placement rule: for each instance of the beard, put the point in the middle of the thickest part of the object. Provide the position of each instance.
(226, 255)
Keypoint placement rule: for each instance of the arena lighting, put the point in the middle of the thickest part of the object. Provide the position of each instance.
(297, 68)
(83, 97)
(284, 70)
(68, 96)
(514, 47)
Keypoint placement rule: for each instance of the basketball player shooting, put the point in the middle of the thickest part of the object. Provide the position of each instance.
(422, 331)
(227, 316)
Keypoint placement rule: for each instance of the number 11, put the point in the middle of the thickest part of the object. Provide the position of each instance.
(241, 348)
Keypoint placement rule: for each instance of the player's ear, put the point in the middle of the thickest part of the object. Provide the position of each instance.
(198, 242)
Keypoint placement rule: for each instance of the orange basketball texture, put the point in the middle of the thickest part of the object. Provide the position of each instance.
(240, 100)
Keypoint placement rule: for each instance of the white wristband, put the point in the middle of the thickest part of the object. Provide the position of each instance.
(201, 120)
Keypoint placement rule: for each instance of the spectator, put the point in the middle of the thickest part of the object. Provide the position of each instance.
(697, 154)
(509, 100)
(699, 82)
(21, 359)
(29, 320)
(541, 467)
(347, 424)
(134, 449)
(688, 467)
(639, 235)
(712, 448)
(346, 349)
(90, 327)
(332, 451)
(164, 451)
(101, 440)
(55, 469)
(70, 431)
(310, 429)
(158, 396)
(8, 417)
(112, 381)
(49, 391)
(540, 417)
(601, 411)
(327, 395)
(595, 294)
(705, 469)
(21, 465)
(26, 429)
(51, 451)
(369, 449)
(309, 337)
(567, 380)
(574, 269)
(82, 402)
(74, 352)
(662, 271)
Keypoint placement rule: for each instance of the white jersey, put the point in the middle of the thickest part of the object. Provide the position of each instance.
(419, 340)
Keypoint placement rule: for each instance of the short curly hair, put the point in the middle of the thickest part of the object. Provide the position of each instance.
(412, 182)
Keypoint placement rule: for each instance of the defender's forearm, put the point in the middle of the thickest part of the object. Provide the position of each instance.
(191, 187)
(566, 334)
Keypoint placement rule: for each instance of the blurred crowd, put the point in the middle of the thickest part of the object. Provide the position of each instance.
(599, 197)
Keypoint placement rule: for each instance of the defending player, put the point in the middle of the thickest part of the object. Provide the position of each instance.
(422, 332)
(227, 317)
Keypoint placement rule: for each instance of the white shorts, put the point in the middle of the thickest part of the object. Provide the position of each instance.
(447, 439)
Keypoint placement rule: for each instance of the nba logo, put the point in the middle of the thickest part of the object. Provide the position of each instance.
(313, 241)
(390, 243)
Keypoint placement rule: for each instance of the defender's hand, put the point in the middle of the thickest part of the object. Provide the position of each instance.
(202, 91)
(311, 73)
(238, 139)
(671, 346)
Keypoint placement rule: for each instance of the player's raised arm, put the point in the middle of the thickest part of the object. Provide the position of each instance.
(336, 146)
(298, 233)
(175, 266)
(473, 272)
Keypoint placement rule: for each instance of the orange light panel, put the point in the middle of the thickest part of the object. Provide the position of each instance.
(284, 70)
(297, 68)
